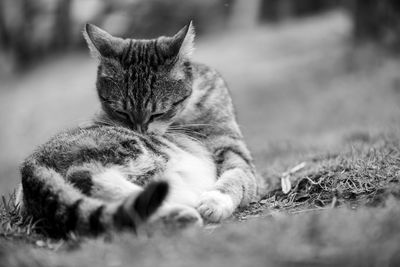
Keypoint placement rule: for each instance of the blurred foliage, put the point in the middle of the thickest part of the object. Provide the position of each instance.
(377, 21)
(30, 30)
(150, 18)
(277, 10)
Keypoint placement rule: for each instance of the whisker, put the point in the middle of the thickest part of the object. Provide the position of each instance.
(187, 130)
(185, 135)
(201, 124)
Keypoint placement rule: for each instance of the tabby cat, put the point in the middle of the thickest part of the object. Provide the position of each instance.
(164, 147)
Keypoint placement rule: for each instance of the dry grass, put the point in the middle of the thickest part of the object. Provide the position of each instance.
(364, 174)
(361, 173)
(342, 209)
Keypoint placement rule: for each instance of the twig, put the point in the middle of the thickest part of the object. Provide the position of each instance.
(285, 178)
(334, 201)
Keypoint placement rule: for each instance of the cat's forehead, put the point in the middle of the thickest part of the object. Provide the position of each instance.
(140, 53)
(138, 56)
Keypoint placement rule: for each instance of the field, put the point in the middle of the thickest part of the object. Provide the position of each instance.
(303, 94)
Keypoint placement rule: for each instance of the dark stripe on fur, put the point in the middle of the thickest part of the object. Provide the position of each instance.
(158, 57)
(220, 154)
(123, 220)
(72, 213)
(205, 96)
(42, 203)
(82, 179)
(95, 224)
(151, 199)
(144, 178)
(153, 145)
(125, 58)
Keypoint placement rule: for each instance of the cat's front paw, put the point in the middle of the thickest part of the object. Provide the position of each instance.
(215, 206)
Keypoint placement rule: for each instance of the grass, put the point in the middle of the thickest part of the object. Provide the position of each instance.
(302, 95)
(343, 209)
(301, 228)
(365, 174)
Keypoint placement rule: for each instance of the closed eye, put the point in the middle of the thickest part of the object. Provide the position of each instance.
(180, 101)
(155, 116)
(121, 114)
(107, 78)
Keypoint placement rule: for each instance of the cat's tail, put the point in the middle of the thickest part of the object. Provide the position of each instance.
(61, 208)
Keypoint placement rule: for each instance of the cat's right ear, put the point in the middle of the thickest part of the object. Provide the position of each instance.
(101, 43)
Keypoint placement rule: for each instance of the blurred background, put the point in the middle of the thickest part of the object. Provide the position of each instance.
(306, 76)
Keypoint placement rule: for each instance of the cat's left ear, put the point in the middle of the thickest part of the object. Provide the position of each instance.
(182, 43)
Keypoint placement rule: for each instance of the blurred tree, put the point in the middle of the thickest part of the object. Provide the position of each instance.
(5, 39)
(62, 25)
(32, 29)
(21, 37)
(227, 10)
(377, 21)
(244, 13)
(276, 10)
(163, 17)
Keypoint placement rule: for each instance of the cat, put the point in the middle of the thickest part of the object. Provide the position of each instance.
(165, 145)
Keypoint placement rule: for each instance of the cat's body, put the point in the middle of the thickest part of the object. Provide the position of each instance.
(109, 164)
(164, 118)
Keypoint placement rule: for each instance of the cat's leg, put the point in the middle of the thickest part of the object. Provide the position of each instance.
(109, 184)
(236, 185)
(179, 210)
(105, 183)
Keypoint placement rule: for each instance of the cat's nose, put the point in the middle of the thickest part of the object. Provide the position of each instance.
(141, 128)
(138, 124)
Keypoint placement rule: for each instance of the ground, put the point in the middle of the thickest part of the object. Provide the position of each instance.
(304, 95)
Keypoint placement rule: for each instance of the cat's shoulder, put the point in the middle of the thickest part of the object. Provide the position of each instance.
(206, 78)
(204, 71)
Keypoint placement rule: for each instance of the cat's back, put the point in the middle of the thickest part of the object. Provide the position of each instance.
(102, 143)
(210, 98)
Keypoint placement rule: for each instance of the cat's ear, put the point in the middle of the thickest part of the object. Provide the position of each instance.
(101, 43)
(182, 43)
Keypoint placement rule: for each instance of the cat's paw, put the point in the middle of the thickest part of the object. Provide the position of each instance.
(183, 216)
(173, 217)
(215, 206)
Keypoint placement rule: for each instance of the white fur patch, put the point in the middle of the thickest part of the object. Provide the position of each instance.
(187, 47)
(189, 113)
(140, 165)
(189, 175)
(158, 127)
(215, 206)
(112, 185)
(93, 50)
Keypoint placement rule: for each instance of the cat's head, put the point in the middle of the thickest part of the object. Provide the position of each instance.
(142, 84)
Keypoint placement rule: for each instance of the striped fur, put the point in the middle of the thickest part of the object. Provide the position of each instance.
(60, 208)
(163, 118)
(165, 91)
(98, 178)
(171, 91)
